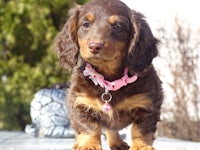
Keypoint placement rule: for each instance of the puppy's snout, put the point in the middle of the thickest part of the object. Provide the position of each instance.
(95, 47)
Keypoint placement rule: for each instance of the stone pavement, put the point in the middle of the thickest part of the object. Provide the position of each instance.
(22, 141)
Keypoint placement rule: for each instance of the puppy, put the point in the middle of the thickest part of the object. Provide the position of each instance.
(114, 84)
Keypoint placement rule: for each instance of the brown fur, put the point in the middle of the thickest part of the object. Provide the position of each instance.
(115, 141)
(125, 40)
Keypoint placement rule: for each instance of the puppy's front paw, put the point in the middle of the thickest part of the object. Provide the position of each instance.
(142, 148)
(87, 147)
(120, 146)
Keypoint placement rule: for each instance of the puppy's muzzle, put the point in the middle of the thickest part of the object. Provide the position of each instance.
(95, 48)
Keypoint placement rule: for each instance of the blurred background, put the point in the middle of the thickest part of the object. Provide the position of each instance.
(29, 63)
(27, 60)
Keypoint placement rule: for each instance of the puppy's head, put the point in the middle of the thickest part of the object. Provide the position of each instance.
(106, 33)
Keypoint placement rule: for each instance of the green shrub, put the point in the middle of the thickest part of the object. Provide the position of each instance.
(27, 61)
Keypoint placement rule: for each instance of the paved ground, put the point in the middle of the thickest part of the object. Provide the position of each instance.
(23, 141)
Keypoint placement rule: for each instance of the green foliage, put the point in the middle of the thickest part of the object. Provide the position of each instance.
(27, 61)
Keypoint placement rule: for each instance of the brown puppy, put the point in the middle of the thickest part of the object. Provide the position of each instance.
(113, 84)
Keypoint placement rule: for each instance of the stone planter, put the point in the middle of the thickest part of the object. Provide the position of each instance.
(49, 115)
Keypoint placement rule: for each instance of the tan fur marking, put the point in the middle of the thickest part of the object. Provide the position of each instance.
(90, 140)
(113, 19)
(114, 139)
(89, 102)
(90, 17)
(140, 141)
(135, 101)
(110, 68)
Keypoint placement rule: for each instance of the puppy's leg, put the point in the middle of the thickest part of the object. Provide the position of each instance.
(89, 140)
(141, 141)
(114, 141)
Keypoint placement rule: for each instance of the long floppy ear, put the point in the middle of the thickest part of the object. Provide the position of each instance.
(143, 45)
(66, 44)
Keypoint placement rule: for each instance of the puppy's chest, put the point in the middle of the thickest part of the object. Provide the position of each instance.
(97, 102)
(121, 113)
(87, 101)
(92, 108)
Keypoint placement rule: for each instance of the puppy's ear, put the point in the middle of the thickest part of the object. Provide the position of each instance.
(66, 44)
(143, 45)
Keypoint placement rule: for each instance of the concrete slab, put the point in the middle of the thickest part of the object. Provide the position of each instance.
(22, 141)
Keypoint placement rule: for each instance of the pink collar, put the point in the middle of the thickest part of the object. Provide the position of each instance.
(98, 79)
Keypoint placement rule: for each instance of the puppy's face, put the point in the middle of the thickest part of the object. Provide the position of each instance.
(103, 34)
(108, 35)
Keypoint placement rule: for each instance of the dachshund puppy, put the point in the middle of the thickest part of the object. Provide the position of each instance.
(114, 84)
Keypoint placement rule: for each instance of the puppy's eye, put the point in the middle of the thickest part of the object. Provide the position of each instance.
(86, 24)
(117, 27)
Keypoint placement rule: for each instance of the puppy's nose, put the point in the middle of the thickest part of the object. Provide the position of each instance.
(95, 47)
